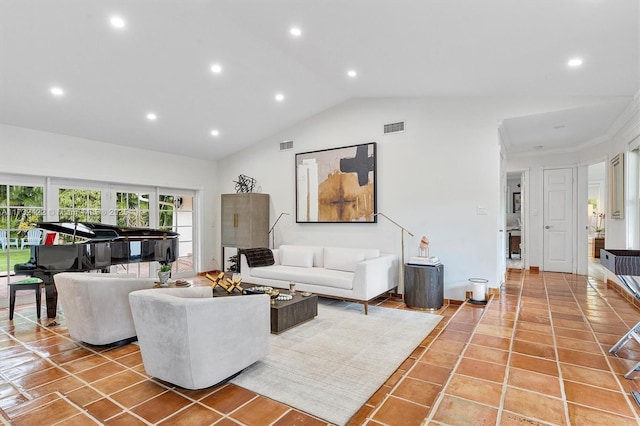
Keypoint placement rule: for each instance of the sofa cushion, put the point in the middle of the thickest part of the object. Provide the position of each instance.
(299, 256)
(342, 259)
(315, 276)
(318, 261)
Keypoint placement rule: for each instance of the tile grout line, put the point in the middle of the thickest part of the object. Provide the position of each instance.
(99, 392)
(88, 384)
(563, 393)
(505, 381)
(406, 373)
(445, 385)
(605, 354)
(593, 334)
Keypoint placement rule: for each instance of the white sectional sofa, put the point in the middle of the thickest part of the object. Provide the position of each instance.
(342, 273)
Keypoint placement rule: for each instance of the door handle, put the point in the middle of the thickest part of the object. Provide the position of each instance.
(547, 227)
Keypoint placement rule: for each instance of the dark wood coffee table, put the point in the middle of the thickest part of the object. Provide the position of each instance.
(287, 314)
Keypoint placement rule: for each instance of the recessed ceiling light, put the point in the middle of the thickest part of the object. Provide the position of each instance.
(117, 22)
(575, 62)
(151, 116)
(215, 132)
(216, 68)
(352, 73)
(295, 31)
(57, 91)
(279, 97)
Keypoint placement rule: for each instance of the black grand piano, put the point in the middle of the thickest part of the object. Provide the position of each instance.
(102, 246)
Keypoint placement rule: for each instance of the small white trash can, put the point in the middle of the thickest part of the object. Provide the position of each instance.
(478, 289)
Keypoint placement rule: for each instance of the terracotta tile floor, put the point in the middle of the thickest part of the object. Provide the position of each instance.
(535, 354)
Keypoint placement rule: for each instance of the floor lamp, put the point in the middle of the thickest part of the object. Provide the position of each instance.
(402, 231)
(273, 236)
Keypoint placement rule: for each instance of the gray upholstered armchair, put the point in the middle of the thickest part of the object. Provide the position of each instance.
(194, 340)
(96, 306)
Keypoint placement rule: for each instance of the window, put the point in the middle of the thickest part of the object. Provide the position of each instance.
(175, 213)
(132, 210)
(82, 205)
(20, 208)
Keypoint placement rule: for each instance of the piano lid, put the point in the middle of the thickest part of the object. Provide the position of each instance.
(100, 232)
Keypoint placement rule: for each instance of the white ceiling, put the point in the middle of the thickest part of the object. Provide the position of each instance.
(160, 62)
(561, 131)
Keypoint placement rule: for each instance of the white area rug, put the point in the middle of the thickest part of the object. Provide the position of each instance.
(330, 366)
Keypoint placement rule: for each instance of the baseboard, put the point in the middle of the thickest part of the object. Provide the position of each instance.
(624, 293)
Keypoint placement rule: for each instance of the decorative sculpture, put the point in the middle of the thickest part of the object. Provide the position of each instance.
(423, 248)
(229, 285)
(245, 184)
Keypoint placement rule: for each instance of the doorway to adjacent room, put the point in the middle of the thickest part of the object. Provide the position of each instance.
(597, 193)
(514, 221)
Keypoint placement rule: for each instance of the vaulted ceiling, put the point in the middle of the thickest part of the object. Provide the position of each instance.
(161, 61)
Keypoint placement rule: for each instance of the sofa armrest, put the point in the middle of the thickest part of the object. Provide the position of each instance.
(375, 276)
(245, 270)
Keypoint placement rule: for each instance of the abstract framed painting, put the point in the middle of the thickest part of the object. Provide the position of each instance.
(616, 190)
(517, 202)
(337, 185)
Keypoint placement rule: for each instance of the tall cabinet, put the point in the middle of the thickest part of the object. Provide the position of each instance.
(245, 223)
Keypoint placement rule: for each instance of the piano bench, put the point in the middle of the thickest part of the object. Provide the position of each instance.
(26, 284)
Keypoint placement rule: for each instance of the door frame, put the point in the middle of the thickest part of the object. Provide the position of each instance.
(524, 208)
(582, 233)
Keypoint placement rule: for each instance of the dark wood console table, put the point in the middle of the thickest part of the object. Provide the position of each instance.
(598, 243)
(514, 243)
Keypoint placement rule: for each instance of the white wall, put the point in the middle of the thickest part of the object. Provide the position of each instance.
(622, 132)
(533, 215)
(620, 233)
(431, 179)
(30, 152)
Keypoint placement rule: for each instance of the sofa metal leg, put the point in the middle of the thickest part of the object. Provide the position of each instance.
(366, 308)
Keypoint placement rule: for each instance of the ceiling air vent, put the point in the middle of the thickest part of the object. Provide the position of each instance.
(394, 127)
(284, 145)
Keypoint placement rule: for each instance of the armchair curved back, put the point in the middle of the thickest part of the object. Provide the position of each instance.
(194, 340)
(96, 306)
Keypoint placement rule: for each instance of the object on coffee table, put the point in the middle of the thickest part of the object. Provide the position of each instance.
(273, 293)
(234, 284)
(229, 285)
(216, 279)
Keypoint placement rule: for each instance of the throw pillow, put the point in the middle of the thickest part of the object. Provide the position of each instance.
(296, 256)
(342, 259)
(257, 257)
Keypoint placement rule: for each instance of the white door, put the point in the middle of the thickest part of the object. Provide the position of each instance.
(558, 220)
